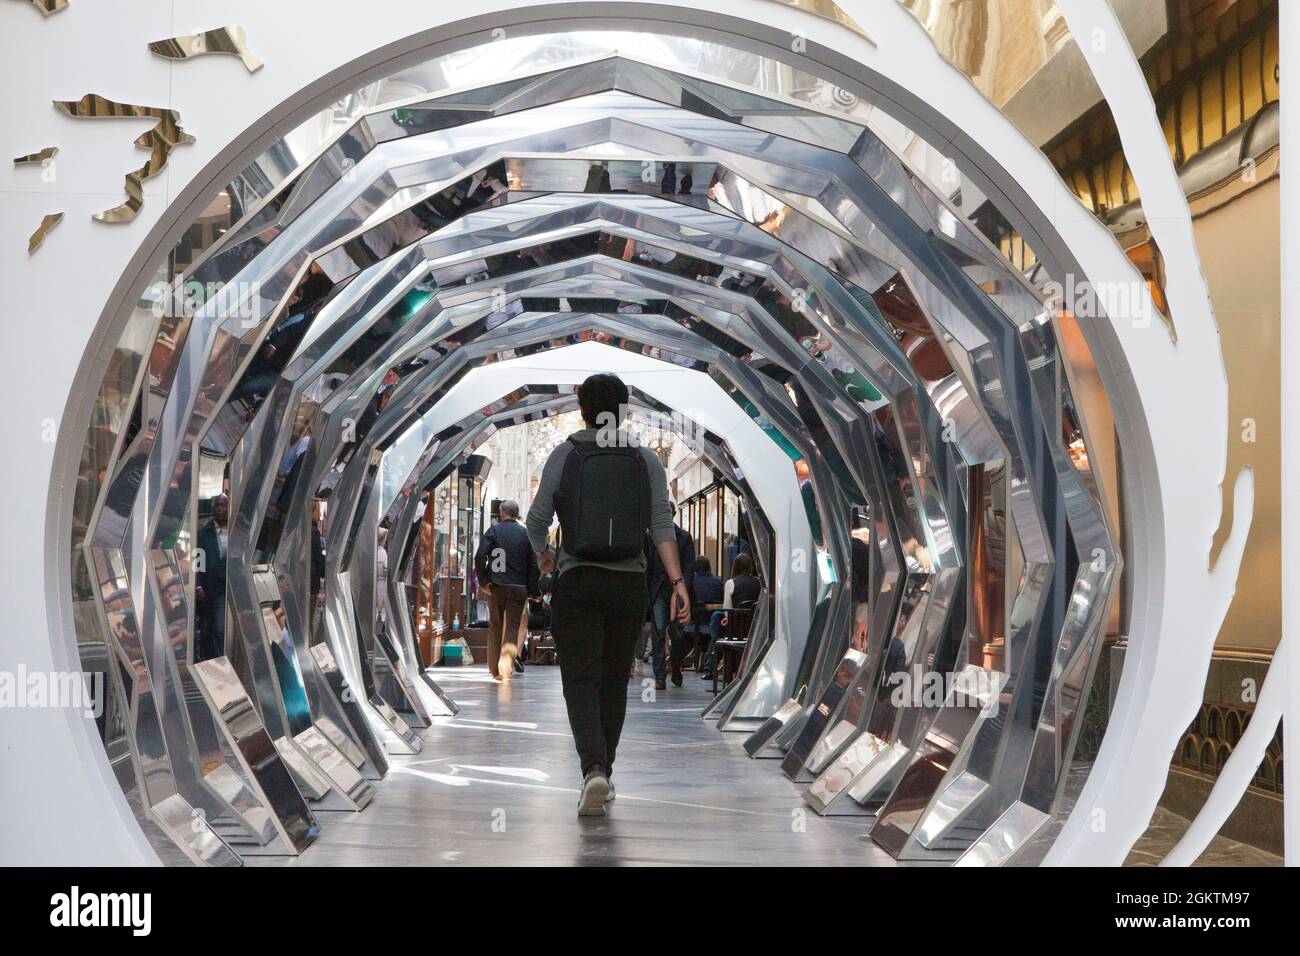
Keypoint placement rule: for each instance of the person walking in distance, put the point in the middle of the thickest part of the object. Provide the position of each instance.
(667, 646)
(210, 582)
(607, 491)
(507, 571)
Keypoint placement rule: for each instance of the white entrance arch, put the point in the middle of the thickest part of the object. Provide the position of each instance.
(1174, 439)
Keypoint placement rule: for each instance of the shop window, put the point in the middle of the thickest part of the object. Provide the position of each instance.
(1228, 25)
(1169, 124)
(1098, 176)
(1232, 92)
(1252, 86)
(1189, 141)
(1083, 189)
(1115, 179)
(1272, 91)
(1164, 69)
(1211, 106)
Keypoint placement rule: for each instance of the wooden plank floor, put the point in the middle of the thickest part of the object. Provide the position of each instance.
(498, 785)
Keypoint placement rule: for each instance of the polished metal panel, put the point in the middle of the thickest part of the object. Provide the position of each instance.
(49, 6)
(232, 40)
(189, 831)
(342, 775)
(959, 795)
(488, 349)
(175, 739)
(259, 484)
(374, 298)
(436, 469)
(165, 136)
(374, 755)
(1008, 835)
(829, 10)
(833, 781)
(547, 332)
(256, 753)
(47, 225)
(37, 159)
(922, 816)
(763, 736)
(790, 247)
(311, 782)
(827, 703)
(391, 673)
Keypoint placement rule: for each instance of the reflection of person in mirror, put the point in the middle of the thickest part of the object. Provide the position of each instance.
(860, 562)
(317, 565)
(381, 576)
(210, 583)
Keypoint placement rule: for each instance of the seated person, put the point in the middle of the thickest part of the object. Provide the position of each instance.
(706, 585)
(741, 591)
(706, 589)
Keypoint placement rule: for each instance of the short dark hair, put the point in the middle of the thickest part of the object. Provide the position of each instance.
(600, 395)
(742, 564)
(702, 565)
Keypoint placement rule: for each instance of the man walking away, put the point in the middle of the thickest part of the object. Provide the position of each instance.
(607, 492)
(210, 583)
(667, 634)
(507, 572)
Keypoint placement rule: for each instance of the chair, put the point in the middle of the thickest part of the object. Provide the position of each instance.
(539, 645)
(731, 646)
(541, 649)
(699, 629)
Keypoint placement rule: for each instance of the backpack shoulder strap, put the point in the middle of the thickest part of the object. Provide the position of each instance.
(643, 470)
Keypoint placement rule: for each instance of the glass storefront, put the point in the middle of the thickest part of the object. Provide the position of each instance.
(713, 517)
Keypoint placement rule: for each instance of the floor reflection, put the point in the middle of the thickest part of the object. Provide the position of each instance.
(500, 788)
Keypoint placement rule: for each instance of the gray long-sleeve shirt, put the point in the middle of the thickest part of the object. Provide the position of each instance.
(542, 511)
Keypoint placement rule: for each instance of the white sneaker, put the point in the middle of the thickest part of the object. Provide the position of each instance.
(638, 669)
(610, 796)
(595, 792)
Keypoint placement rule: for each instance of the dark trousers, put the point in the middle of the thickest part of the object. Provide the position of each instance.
(596, 615)
(666, 631)
(714, 632)
(210, 628)
(505, 615)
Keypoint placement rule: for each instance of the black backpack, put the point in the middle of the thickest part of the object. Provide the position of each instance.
(603, 502)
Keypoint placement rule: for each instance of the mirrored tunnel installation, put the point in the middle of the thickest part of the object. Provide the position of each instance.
(792, 277)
